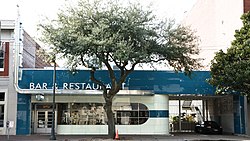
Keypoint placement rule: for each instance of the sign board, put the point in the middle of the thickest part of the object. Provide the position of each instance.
(10, 124)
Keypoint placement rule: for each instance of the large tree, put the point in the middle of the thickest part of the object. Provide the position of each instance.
(101, 33)
(230, 70)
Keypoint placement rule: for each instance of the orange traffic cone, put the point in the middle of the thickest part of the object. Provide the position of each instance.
(117, 136)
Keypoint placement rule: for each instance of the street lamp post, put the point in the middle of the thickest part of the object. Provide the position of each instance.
(53, 137)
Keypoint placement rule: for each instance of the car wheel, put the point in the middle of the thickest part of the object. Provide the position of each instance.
(200, 130)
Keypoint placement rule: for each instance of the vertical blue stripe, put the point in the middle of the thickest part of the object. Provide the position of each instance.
(23, 114)
(242, 116)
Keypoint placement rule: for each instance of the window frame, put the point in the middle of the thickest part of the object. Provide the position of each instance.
(4, 103)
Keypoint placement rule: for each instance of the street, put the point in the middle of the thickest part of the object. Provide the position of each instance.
(172, 137)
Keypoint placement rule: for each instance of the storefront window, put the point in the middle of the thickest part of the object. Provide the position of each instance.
(82, 114)
(132, 114)
(94, 114)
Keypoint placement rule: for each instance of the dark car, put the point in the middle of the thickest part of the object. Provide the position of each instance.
(208, 127)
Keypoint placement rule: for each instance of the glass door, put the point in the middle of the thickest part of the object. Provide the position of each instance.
(44, 121)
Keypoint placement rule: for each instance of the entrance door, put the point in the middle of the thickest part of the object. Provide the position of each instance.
(44, 121)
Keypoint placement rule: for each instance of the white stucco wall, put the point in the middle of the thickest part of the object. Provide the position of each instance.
(215, 22)
(6, 82)
(153, 126)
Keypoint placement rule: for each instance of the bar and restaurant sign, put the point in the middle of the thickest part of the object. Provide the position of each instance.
(159, 82)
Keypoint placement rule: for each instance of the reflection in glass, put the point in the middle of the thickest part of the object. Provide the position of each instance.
(82, 114)
(41, 120)
(94, 114)
(2, 95)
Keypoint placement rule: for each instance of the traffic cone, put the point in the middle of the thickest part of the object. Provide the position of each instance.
(117, 136)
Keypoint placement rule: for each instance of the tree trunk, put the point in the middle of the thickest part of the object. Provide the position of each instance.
(111, 120)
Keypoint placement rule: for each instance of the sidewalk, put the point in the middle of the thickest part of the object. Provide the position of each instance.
(173, 137)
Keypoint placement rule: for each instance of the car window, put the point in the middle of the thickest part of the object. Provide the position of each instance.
(214, 124)
(211, 123)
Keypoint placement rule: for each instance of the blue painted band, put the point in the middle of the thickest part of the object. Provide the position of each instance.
(159, 82)
(159, 113)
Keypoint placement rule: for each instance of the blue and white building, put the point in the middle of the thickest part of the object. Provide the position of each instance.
(141, 107)
(147, 104)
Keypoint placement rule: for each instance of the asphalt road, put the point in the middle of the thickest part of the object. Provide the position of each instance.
(172, 137)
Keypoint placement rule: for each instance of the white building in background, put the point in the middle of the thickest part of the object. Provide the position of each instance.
(215, 22)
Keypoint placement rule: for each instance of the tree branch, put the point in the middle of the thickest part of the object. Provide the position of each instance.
(92, 77)
(124, 74)
(111, 75)
(83, 62)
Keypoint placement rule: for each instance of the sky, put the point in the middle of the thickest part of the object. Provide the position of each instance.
(32, 12)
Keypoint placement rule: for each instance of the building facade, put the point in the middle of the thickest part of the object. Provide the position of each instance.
(141, 107)
(7, 92)
(215, 22)
(17, 50)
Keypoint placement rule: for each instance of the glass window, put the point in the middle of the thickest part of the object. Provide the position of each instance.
(2, 95)
(1, 115)
(44, 106)
(82, 114)
(137, 114)
(94, 114)
(1, 58)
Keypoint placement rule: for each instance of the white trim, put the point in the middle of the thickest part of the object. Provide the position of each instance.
(154, 126)
(89, 92)
(5, 103)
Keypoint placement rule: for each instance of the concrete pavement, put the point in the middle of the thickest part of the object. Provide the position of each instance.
(172, 137)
